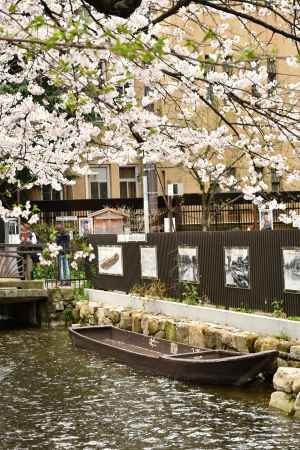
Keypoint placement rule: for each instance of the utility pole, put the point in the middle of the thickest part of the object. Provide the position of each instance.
(146, 204)
(150, 193)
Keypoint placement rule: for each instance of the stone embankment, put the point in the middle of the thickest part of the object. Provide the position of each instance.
(60, 300)
(195, 333)
(286, 397)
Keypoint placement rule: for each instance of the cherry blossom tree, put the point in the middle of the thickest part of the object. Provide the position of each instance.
(222, 76)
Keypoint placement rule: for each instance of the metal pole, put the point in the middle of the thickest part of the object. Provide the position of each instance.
(146, 205)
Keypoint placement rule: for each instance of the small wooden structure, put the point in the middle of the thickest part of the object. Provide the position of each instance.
(109, 221)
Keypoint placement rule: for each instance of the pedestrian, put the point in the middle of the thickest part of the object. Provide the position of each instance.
(27, 235)
(25, 259)
(63, 239)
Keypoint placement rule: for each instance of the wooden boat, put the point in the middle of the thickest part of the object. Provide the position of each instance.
(109, 262)
(174, 360)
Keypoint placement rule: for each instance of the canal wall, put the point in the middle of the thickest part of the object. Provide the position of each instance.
(256, 323)
(28, 303)
(139, 315)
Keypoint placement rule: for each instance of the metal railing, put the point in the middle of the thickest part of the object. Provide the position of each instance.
(228, 212)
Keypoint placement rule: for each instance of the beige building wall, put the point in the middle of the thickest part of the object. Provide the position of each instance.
(167, 174)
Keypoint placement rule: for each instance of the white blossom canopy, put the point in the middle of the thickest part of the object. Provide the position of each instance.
(224, 77)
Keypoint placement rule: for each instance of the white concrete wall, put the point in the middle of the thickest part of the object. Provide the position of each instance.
(247, 322)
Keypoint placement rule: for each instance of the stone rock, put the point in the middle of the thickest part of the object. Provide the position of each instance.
(296, 388)
(160, 335)
(182, 332)
(294, 364)
(263, 344)
(84, 311)
(170, 330)
(227, 340)
(196, 334)
(295, 351)
(107, 321)
(282, 362)
(67, 294)
(92, 320)
(59, 306)
(284, 346)
(100, 316)
(282, 401)
(54, 295)
(113, 315)
(213, 337)
(136, 321)
(145, 324)
(126, 320)
(162, 323)
(153, 325)
(57, 324)
(243, 341)
(297, 406)
(284, 378)
(76, 315)
(93, 307)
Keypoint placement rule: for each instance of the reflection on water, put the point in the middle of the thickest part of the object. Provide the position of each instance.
(53, 396)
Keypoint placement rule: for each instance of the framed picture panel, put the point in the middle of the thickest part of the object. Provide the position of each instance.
(188, 269)
(265, 219)
(237, 267)
(110, 260)
(148, 262)
(291, 269)
(85, 226)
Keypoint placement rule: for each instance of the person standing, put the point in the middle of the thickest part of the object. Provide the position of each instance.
(25, 260)
(63, 239)
(27, 235)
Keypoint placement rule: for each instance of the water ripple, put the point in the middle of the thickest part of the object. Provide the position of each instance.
(55, 397)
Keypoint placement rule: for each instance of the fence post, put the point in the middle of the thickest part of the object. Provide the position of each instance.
(28, 268)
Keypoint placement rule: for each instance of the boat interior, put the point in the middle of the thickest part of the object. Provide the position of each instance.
(149, 345)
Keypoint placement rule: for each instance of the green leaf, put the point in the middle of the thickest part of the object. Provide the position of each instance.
(209, 35)
(248, 54)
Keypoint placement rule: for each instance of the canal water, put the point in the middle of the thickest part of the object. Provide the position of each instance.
(53, 396)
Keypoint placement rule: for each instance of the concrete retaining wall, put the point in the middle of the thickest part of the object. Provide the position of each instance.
(247, 322)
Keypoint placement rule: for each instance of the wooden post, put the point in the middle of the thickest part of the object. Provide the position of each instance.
(28, 267)
(255, 218)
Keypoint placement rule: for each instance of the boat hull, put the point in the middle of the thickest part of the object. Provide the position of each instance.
(177, 361)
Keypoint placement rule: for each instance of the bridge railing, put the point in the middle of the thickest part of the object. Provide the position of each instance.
(16, 260)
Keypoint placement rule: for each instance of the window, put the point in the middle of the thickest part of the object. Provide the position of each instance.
(254, 86)
(147, 92)
(121, 88)
(275, 181)
(209, 67)
(228, 65)
(98, 183)
(272, 72)
(102, 71)
(259, 172)
(128, 182)
(231, 172)
(49, 194)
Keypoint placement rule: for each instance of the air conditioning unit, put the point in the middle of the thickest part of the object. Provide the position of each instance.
(175, 189)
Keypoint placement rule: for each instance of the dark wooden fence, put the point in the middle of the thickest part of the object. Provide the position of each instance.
(266, 266)
(229, 211)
